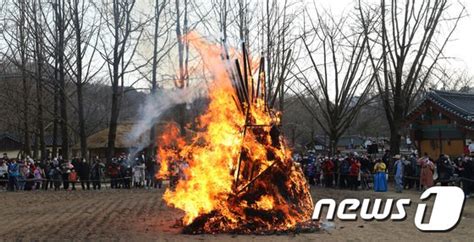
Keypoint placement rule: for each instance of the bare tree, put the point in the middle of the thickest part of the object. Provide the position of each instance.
(22, 44)
(61, 23)
(222, 8)
(157, 54)
(36, 31)
(159, 37)
(119, 46)
(278, 40)
(407, 43)
(335, 88)
(53, 28)
(16, 38)
(47, 56)
(453, 80)
(183, 57)
(243, 24)
(157, 51)
(83, 66)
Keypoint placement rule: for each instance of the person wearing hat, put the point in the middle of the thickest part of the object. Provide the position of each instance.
(399, 165)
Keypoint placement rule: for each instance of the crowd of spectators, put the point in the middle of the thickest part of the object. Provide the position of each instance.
(354, 171)
(121, 172)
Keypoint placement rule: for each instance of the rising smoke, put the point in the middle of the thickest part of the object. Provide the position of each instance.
(153, 109)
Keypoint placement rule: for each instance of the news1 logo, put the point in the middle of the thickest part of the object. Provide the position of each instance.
(445, 215)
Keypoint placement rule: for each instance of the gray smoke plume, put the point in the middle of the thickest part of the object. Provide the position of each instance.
(154, 107)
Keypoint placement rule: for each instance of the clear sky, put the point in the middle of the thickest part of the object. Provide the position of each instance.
(462, 46)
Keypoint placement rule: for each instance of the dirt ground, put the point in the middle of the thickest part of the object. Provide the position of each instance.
(141, 215)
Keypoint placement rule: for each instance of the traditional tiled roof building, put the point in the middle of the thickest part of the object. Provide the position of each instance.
(442, 123)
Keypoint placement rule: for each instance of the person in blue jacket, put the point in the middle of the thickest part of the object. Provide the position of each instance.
(13, 174)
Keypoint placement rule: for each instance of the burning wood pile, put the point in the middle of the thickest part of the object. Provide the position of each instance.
(240, 177)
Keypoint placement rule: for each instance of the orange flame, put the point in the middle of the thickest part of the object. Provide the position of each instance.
(208, 163)
(266, 202)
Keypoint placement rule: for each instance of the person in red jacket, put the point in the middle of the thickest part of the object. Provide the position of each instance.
(354, 173)
(328, 172)
(73, 178)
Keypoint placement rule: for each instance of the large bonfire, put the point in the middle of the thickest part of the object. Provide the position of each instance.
(240, 177)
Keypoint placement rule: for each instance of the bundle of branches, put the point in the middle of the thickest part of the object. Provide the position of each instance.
(270, 191)
(247, 90)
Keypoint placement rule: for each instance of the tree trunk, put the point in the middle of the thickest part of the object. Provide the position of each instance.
(35, 146)
(282, 97)
(82, 128)
(114, 114)
(39, 86)
(22, 48)
(154, 81)
(54, 152)
(60, 25)
(333, 140)
(26, 127)
(181, 108)
(121, 33)
(113, 121)
(64, 119)
(395, 137)
(79, 81)
(179, 37)
(40, 117)
(395, 142)
(115, 109)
